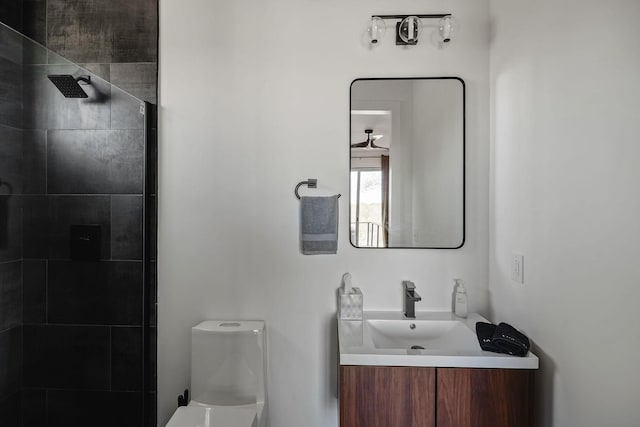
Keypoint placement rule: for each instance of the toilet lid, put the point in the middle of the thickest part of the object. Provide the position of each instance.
(214, 416)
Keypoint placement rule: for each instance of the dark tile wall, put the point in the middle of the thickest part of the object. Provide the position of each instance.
(103, 31)
(83, 320)
(77, 326)
(11, 187)
(116, 39)
(10, 294)
(11, 13)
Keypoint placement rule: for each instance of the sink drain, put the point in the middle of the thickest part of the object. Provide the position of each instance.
(417, 347)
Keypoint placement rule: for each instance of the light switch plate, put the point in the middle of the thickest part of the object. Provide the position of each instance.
(517, 268)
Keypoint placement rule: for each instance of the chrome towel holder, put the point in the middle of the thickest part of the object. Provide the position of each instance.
(311, 183)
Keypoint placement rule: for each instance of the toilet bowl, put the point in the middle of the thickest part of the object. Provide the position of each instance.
(228, 386)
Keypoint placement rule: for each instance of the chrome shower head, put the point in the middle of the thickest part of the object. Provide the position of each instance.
(69, 86)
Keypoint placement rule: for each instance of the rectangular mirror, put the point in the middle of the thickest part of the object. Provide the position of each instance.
(407, 150)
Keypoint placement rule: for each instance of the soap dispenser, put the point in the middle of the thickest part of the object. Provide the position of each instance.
(461, 298)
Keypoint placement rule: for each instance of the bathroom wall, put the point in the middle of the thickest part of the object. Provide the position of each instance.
(83, 319)
(12, 185)
(116, 39)
(70, 330)
(265, 104)
(565, 171)
(437, 208)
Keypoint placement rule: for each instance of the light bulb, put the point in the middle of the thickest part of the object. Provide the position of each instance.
(446, 29)
(377, 29)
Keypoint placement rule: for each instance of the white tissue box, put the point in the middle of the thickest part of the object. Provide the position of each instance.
(351, 305)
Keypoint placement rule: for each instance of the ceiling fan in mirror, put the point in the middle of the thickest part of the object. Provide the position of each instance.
(370, 141)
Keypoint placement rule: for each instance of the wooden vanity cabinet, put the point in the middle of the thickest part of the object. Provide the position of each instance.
(380, 396)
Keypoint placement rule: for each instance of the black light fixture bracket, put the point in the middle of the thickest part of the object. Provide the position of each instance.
(400, 18)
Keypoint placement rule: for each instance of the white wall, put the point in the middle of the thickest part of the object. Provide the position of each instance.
(437, 163)
(565, 171)
(254, 97)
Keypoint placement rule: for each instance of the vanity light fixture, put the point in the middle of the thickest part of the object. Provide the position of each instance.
(409, 27)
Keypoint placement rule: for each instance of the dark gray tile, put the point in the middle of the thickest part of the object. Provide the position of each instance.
(78, 409)
(33, 53)
(35, 162)
(34, 285)
(10, 294)
(75, 357)
(126, 227)
(100, 293)
(95, 162)
(11, 90)
(152, 408)
(101, 70)
(153, 228)
(35, 215)
(65, 211)
(126, 359)
(11, 13)
(10, 227)
(10, 362)
(34, 20)
(151, 361)
(125, 110)
(103, 31)
(34, 408)
(138, 79)
(152, 147)
(153, 294)
(48, 221)
(11, 45)
(10, 415)
(11, 163)
(46, 108)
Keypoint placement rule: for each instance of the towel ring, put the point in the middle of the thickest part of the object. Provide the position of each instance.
(311, 183)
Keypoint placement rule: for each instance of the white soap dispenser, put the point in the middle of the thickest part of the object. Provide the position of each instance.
(461, 298)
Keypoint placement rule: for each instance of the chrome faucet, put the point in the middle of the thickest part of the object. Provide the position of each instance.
(410, 298)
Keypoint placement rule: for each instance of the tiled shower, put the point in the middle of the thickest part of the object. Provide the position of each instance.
(77, 221)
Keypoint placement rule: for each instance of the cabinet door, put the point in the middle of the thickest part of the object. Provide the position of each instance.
(380, 396)
(484, 397)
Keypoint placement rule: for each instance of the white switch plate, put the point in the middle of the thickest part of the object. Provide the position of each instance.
(517, 268)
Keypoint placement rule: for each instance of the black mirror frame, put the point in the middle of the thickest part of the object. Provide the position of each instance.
(464, 158)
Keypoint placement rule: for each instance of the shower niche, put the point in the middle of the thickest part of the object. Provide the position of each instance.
(77, 244)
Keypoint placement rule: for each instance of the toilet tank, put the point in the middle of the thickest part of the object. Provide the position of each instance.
(228, 362)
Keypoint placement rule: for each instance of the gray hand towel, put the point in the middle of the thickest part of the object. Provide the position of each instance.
(319, 225)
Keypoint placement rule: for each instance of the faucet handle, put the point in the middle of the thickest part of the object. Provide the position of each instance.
(408, 285)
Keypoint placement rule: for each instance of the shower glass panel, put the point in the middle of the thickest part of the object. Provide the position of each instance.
(77, 244)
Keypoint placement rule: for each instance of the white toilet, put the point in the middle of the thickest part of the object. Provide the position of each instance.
(228, 367)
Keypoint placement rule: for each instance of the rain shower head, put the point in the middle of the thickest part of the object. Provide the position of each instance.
(69, 86)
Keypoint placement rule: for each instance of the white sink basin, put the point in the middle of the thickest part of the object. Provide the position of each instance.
(436, 339)
(420, 334)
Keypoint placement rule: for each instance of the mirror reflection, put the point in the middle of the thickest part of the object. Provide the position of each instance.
(407, 163)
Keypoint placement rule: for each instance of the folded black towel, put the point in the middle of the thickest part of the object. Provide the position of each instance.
(510, 340)
(485, 332)
(503, 338)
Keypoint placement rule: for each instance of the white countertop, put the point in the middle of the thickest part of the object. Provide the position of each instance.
(357, 346)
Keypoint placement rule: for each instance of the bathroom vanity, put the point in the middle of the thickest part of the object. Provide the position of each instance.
(428, 371)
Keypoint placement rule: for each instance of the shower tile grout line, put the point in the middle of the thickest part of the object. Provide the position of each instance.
(79, 325)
